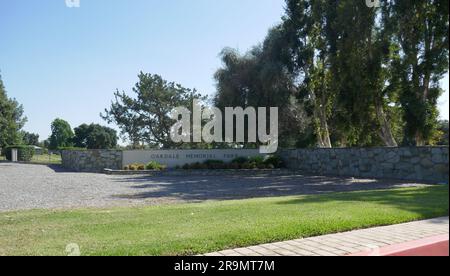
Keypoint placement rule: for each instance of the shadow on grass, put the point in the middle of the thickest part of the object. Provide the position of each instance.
(430, 201)
(201, 188)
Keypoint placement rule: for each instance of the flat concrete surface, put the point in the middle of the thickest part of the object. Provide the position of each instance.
(26, 186)
(343, 244)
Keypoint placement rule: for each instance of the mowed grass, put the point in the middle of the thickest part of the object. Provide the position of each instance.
(205, 227)
(53, 159)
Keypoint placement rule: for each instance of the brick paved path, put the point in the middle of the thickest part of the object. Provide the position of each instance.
(346, 243)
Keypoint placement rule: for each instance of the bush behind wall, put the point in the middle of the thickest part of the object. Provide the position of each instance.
(24, 153)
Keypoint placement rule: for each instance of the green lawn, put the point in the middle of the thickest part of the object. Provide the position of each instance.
(54, 159)
(205, 227)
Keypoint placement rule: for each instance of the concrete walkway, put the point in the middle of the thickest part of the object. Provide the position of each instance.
(347, 243)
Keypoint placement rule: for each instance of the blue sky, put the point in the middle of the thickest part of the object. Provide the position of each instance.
(67, 62)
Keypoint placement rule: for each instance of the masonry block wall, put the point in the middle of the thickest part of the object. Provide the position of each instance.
(429, 164)
(424, 164)
(92, 160)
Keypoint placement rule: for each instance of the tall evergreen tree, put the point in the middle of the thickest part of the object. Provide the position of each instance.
(145, 118)
(11, 119)
(306, 28)
(421, 31)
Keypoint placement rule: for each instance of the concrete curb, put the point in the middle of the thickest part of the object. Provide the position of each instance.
(279, 172)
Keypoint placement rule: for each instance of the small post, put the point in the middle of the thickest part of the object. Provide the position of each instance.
(14, 155)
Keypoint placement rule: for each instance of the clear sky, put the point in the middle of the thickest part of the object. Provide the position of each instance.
(67, 62)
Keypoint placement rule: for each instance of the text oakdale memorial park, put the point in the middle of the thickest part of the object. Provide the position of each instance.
(212, 131)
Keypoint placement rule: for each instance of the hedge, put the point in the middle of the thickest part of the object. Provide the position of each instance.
(24, 153)
(241, 163)
(72, 149)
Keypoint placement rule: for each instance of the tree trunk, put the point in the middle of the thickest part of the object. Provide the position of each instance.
(385, 129)
(322, 129)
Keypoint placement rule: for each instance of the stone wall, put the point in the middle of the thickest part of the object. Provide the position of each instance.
(428, 164)
(92, 160)
(174, 158)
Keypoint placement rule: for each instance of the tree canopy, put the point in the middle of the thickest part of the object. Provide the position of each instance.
(145, 118)
(30, 139)
(62, 135)
(342, 73)
(95, 136)
(11, 119)
(360, 76)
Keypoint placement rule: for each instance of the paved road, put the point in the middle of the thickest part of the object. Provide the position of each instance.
(24, 186)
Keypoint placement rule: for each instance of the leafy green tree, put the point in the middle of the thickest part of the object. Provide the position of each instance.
(61, 136)
(11, 119)
(362, 73)
(306, 33)
(442, 138)
(80, 135)
(260, 79)
(31, 139)
(145, 118)
(95, 136)
(340, 51)
(421, 32)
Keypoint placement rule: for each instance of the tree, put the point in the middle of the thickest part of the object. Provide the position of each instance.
(340, 55)
(61, 136)
(262, 78)
(362, 72)
(11, 119)
(306, 28)
(442, 139)
(31, 139)
(95, 136)
(365, 76)
(421, 32)
(145, 119)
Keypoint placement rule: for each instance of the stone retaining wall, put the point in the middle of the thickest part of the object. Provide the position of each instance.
(426, 164)
(429, 164)
(92, 160)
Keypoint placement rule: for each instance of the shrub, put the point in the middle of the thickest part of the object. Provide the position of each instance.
(136, 167)
(256, 160)
(214, 164)
(24, 153)
(240, 160)
(234, 166)
(154, 166)
(126, 168)
(261, 166)
(275, 161)
(246, 166)
(199, 166)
